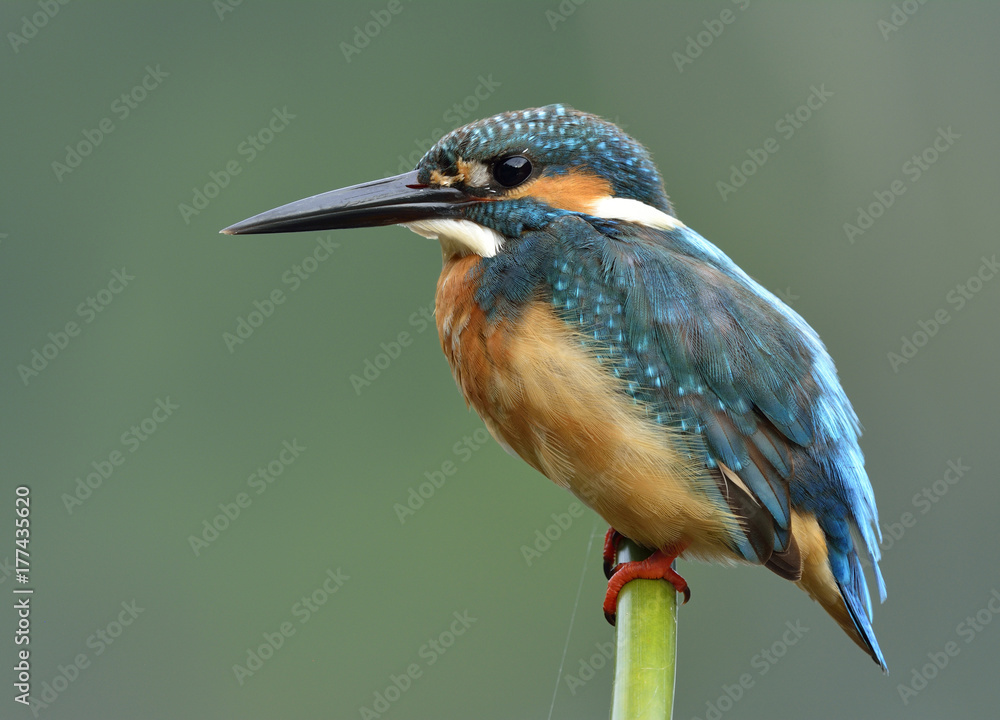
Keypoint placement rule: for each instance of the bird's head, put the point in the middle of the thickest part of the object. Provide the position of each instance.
(484, 184)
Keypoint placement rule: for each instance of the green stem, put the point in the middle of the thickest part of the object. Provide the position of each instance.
(647, 646)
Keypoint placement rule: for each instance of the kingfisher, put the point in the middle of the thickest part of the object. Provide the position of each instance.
(627, 358)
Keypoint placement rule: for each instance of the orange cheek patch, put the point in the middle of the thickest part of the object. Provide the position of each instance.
(576, 190)
(438, 178)
(464, 170)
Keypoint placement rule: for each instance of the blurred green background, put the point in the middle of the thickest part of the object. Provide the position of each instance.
(255, 104)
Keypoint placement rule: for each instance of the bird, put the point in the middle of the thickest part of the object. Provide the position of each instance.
(627, 358)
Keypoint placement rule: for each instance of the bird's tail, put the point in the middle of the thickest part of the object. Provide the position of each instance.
(846, 601)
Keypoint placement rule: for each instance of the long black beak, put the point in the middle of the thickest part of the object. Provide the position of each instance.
(388, 201)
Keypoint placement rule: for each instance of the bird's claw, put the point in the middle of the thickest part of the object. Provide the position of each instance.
(658, 566)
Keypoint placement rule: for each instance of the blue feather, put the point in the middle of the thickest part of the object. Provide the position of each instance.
(713, 353)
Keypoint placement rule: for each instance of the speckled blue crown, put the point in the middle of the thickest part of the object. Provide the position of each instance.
(560, 138)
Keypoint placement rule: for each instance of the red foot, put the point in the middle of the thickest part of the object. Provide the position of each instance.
(657, 566)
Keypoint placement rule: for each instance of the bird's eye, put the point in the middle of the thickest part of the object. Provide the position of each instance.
(511, 171)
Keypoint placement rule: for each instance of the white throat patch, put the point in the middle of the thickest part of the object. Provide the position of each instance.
(464, 237)
(459, 237)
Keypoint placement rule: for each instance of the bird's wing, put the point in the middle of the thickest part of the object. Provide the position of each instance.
(711, 351)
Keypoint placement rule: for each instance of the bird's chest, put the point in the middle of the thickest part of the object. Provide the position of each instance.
(543, 395)
(476, 350)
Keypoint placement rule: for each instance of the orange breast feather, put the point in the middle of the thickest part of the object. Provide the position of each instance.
(543, 395)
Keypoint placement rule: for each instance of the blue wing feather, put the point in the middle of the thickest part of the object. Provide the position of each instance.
(715, 354)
